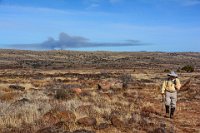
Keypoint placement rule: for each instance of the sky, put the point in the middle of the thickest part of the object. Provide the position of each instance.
(101, 25)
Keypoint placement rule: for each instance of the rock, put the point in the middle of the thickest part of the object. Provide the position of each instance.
(110, 84)
(17, 87)
(53, 116)
(87, 121)
(50, 118)
(62, 125)
(83, 131)
(104, 86)
(67, 116)
(56, 128)
(77, 90)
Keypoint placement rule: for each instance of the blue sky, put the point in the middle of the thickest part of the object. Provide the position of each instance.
(115, 25)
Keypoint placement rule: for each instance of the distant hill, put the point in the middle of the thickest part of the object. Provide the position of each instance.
(160, 61)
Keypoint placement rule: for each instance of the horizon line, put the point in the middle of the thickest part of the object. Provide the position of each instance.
(114, 51)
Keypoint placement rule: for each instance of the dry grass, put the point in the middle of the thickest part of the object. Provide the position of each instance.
(8, 96)
(139, 108)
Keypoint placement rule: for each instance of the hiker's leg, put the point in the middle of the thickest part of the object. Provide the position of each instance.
(167, 101)
(167, 109)
(172, 112)
(173, 99)
(173, 103)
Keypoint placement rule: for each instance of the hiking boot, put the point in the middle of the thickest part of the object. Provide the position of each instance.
(166, 115)
(167, 111)
(172, 113)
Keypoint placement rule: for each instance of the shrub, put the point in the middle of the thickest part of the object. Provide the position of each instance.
(188, 68)
(65, 94)
(126, 78)
(17, 87)
(166, 70)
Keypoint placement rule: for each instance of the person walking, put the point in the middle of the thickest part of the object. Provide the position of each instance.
(169, 90)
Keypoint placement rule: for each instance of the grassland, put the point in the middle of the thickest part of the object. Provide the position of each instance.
(95, 92)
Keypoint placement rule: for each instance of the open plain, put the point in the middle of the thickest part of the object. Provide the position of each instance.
(96, 92)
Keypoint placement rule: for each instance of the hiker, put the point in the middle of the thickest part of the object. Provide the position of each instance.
(169, 90)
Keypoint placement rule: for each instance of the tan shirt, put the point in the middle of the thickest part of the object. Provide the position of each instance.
(171, 85)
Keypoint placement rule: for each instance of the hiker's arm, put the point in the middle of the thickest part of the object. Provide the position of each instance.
(178, 84)
(163, 87)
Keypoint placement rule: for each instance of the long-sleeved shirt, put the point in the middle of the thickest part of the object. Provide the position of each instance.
(171, 85)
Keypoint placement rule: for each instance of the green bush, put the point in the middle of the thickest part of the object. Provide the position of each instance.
(188, 68)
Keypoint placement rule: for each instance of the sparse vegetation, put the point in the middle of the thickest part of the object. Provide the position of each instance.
(188, 68)
(126, 79)
(64, 94)
(166, 70)
(46, 100)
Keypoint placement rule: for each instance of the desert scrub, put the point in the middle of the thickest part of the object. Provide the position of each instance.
(166, 70)
(188, 68)
(65, 94)
(21, 112)
(8, 96)
(61, 91)
(126, 79)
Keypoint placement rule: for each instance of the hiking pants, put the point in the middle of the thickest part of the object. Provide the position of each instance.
(171, 98)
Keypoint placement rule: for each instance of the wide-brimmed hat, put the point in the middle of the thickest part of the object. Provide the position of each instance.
(173, 74)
